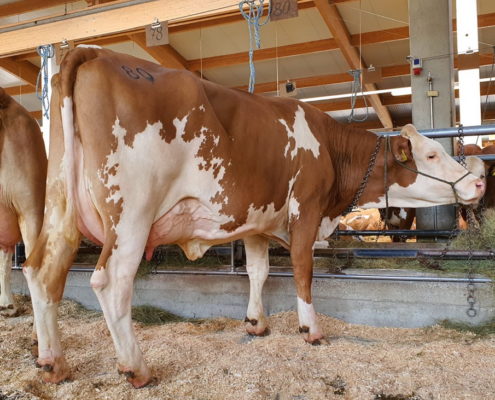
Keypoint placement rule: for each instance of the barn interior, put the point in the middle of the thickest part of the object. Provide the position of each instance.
(375, 64)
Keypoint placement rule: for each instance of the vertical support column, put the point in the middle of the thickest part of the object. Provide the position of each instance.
(469, 79)
(430, 30)
(52, 69)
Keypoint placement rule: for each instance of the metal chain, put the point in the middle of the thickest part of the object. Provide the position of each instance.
(472, 225)
(460, 146)
(364, 182)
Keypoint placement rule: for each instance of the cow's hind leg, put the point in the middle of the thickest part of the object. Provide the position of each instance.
(113, 285)
(7, 307)
(303, 234)
(257, 265)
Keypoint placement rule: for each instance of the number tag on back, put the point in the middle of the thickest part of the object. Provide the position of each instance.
(157, 34)
(283, 9)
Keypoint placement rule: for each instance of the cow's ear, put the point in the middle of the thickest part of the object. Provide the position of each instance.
(409, 132)
(401, 149)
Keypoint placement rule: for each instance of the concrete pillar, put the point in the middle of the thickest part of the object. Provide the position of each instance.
(430, 30)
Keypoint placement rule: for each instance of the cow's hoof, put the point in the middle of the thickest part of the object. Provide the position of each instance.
(10, 311)
(256, 327)
(311, 338)
(136, 380)
(56, 371)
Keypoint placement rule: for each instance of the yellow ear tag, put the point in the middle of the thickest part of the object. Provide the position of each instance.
(403, 156)
(493, 172)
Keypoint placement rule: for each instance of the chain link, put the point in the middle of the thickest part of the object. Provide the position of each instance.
(364, 182)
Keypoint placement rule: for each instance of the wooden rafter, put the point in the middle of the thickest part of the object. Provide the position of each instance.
(336, 25)
(22, 69)
(81, 25)
(166, 55)
(18, 90)
(23, 6)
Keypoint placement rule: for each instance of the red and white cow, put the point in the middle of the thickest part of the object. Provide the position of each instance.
(22, 188)
(403, 218)
(142, 155)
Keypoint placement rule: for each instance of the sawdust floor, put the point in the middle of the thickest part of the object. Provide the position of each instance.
(216, 360)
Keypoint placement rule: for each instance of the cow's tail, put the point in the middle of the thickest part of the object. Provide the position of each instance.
(68, 73)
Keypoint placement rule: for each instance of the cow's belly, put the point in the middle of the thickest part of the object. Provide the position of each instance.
(195, 227)
(9, 229)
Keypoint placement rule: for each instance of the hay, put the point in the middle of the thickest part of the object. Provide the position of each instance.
(149, 315)
(474, 239)
(481, 330)
(216, 360)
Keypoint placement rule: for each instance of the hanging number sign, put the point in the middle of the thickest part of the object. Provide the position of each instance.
(283, 9)
(157, 34)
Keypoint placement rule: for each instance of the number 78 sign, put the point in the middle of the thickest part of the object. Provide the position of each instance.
(283, 9)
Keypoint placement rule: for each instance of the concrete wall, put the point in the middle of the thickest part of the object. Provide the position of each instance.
(377, 303)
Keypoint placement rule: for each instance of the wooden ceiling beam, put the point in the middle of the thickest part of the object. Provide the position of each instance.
(166, 55)
(19, 90)
(24, 6)
(36, 114)
(23, 69)
(339, 31)
(81, 25)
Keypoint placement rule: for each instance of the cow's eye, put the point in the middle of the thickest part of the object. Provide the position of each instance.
(431, 156)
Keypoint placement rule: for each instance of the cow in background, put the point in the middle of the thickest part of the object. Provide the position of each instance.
(23, 166)
(142, 155)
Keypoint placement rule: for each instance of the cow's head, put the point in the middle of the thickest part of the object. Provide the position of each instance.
(432, 170)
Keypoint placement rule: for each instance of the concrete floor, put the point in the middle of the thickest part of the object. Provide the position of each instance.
(376, 303)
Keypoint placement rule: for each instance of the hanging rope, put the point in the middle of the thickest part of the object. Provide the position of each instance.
(253, 19)
(45, 52)
(356, 88)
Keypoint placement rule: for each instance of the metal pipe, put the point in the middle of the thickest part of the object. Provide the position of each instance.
(451, 132)
(393, 278)
(398, 232)
(73, 15)
(430, 87)
(484, 157)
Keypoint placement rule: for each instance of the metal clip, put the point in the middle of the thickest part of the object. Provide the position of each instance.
(156, 24)
(64, 44)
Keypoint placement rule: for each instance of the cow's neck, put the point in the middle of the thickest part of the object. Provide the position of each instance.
(350, 150)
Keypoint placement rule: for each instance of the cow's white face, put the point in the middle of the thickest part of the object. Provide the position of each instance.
(431, 159)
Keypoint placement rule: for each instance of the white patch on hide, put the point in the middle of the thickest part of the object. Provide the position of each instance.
(293, 209)
(302, 135)
(327, 227)
(156, 174)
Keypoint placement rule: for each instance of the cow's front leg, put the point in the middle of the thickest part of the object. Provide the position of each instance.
(257, 266)
(113, 285)
(7, 306)
(303, 234)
